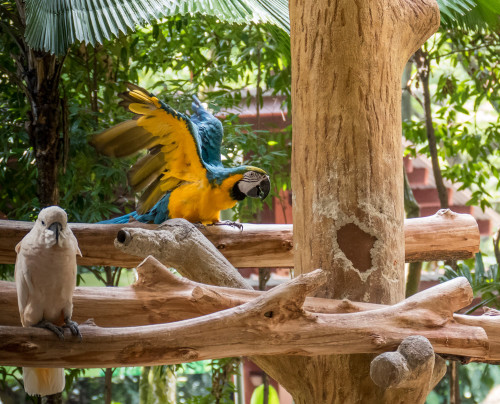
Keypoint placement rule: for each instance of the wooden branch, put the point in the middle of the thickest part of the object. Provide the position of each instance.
(156, 297)
(438, 237)
(179, 244)
(160, 297)
(445, 235)
(273, 323)
(413, 367)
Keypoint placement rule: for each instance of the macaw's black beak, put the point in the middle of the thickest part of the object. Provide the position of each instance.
(261, 190)
(56, 227)
(264, 188)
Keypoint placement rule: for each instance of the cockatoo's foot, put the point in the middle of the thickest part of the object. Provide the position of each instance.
(52, 327)
(73, 327)
(239, 226)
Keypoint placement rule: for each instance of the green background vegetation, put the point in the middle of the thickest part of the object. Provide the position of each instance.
(179, 56)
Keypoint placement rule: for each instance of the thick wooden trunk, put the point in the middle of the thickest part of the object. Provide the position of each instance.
(348, 58)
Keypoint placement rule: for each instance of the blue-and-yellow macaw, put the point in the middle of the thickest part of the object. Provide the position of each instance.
(182, 174)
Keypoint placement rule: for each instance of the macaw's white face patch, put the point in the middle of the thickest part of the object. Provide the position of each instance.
(255, 184)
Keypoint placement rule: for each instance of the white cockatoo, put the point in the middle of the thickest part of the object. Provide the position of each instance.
(45, 280)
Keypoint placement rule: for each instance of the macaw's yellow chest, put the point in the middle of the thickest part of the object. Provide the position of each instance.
(201, 201)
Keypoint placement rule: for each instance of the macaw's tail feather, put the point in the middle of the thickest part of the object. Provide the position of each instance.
(157, 215)
(43, 381)
(120, 219)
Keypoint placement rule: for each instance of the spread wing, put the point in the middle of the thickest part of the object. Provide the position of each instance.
(210, 132)
(173, 141)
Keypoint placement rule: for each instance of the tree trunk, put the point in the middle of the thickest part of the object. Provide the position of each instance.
(412, 209)
(43, 126)
(346, 169)
(39, 75)
(108, 385)
(424, 70)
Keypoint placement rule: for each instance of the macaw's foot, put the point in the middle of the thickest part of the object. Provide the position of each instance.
(73, 327)
(239, 226)
(200, 226)
(52, 327)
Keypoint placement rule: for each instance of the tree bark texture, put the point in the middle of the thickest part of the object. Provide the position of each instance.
(348, 59)
(44, 124)
(445, 235)
(39, 74)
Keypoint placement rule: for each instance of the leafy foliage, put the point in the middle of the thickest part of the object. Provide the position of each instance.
(476, 381)
(223, 388)
(485, 283)
(467, 148)
(470, 14)
(177, 58)
(53, 25)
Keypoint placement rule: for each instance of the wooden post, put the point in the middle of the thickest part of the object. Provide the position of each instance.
(348, 58)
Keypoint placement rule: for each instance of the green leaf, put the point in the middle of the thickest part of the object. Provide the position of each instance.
(53, 25)
(469, 14)
(479, 264)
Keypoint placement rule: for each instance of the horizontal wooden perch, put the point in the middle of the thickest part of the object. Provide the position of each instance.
(445, 235)
(280, 321)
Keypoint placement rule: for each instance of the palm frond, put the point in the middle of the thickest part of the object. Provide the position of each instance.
(451, 10)
(53, 25)
(469, 14)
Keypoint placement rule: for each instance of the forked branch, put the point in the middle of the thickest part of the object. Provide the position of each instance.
(272, 323)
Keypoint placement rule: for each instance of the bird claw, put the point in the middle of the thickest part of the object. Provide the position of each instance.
(239, 226)
(51, 327)
(200, 226)
(73, 327)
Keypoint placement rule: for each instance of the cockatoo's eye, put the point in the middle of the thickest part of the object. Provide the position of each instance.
(43, 222)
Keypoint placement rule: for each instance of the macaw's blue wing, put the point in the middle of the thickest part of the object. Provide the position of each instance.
(174, 156)
(210, 132)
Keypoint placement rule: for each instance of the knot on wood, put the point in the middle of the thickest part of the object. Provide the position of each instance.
(188, 354)
(88, 323)
(348, 307)
(378, 340)
(446, 213)
(204, 295)
(411, 365)
(123, 237)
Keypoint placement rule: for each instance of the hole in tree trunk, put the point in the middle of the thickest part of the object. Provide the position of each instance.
(356, 244)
